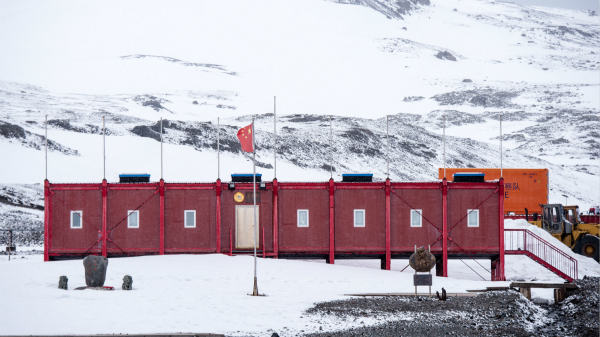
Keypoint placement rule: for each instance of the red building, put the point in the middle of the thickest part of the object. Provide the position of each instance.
(331, 220)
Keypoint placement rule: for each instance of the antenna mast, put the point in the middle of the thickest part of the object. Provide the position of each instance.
(103, 149)
(330, 148)
(161, 149)
(275, 136)
(444, 137)
(46, 136)
(218, 150)
(387, 121)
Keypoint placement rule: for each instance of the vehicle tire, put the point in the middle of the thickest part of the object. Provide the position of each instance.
(588, 246)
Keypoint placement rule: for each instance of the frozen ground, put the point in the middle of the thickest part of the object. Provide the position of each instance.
(208, 293)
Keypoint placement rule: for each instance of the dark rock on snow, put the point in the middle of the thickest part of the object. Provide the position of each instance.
(95, 270)
(445, 55)
(127, 282)
(63, 283)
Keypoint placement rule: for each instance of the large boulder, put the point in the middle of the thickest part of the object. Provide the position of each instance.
(422, 260)
(95, 270)
(445, 55)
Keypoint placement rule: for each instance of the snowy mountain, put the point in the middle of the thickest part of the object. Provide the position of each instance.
(358, 61)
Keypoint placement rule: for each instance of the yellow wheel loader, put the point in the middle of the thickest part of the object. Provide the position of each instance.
(565, 225)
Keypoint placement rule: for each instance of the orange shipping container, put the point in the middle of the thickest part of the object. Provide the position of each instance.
(523, 188)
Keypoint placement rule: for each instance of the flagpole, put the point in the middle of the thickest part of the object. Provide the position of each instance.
(444, 137)
(103, 148)
(218, 151)
(500, 146)
(161, 149)
(387, 136)
(255, 290)
(275, 136)
(330, 149)
(46, 139)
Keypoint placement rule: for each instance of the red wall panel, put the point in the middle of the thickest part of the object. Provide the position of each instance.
(315, 237)
(76, 240)
(484, 236)
(203, 236)
(368, 238)
(146, 238)
(403, 236)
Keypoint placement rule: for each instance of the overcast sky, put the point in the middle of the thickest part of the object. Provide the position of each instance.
(570, 4)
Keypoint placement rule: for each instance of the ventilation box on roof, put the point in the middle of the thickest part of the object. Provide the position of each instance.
(245, 177)
(134, 178)
(357, 177)
(470, 177)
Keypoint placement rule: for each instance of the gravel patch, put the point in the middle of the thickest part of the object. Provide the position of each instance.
(497, 313)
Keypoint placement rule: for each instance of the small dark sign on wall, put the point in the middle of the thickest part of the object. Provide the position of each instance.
(249, 197)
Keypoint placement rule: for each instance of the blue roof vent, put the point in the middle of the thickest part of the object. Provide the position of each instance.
(245, 177)
(470, 177)
(357, 177)
(134, 178)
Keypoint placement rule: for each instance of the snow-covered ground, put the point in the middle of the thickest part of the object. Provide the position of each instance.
(209, 293)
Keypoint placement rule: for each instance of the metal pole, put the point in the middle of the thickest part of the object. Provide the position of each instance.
(501, 146)
(387, 121)
(275, 136)
(330, 148)
(103, 149)
(161, 149)
(218, 150)
(46, 136)
(10, 245)
(255, 290)
(444, 138)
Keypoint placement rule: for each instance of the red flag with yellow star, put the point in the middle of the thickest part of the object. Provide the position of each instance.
(245, 137)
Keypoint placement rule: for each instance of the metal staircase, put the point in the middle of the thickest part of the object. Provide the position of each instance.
(524, 242)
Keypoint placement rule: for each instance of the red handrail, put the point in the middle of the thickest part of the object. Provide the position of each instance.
(523, 241)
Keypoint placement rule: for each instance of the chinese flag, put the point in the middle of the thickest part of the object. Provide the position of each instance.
(245, 137)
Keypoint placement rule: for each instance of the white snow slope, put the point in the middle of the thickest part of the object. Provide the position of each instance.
(136, 63)
(193, 61)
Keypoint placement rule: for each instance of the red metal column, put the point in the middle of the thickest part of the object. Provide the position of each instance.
(46, 220)
(500, 271)
(218, 188)
(331, 223)
(161, 249)
(445, 228)
(388, 232)
(275, 219)
(104, 227)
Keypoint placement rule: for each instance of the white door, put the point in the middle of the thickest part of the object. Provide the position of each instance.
(244, 226)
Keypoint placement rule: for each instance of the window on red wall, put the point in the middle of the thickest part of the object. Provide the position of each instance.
(473, 218)
(76, 219)
(416, 219)
(189, 219)
(359, 218)
(302, 218)
(133, 219)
